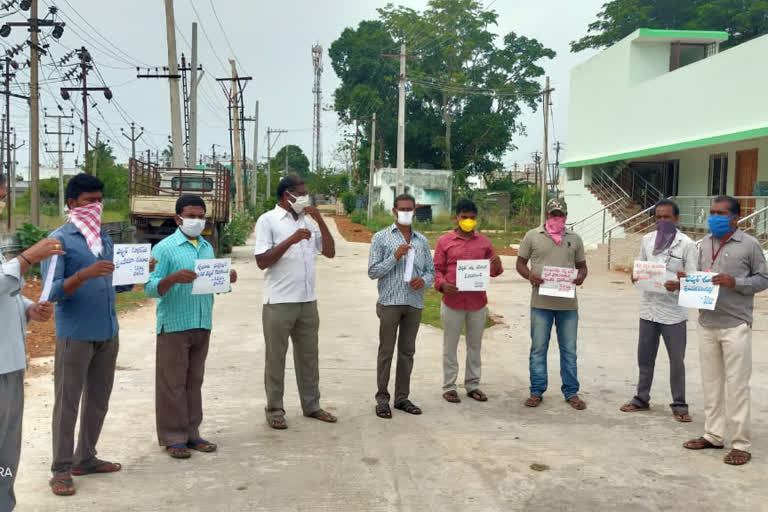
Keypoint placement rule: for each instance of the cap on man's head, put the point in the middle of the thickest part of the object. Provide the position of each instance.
(556, 204)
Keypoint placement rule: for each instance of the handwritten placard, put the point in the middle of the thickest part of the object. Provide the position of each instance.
(48, 283)
(212, 276)
(473, 275)
(558, 282)
(698, 292)
(131, 264)
(650, 276)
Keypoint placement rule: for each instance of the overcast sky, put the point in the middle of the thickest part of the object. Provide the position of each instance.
(272, 42)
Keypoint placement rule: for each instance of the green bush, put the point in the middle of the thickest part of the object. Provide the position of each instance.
(236, 232)
(348, 200)
(359, 217)
(29, 235)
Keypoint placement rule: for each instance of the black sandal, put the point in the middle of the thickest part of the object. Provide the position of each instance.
(408, 407)
(383, 411)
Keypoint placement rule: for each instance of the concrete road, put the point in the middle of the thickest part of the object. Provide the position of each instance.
(471, 456)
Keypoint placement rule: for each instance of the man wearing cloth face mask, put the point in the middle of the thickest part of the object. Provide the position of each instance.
(15, 313)
(401, 301)
(287, 243)
(660, 315)
(551, 245)
(463, 309)
(86, 335)
(725, 333)
(183, 331)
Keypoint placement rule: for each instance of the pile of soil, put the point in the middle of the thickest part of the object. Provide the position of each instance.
(41, 337)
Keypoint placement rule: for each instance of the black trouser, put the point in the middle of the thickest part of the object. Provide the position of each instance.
(648, 346)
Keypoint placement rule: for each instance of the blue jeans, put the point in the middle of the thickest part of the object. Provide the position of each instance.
(567, 324)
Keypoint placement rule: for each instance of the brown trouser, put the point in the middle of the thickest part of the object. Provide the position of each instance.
(82, 370)
(180, 367)
(299, 322)
(406, 320)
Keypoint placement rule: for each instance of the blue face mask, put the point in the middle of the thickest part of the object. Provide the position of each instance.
(719, 226)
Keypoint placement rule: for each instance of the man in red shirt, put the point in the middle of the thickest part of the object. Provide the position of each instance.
(462, 308)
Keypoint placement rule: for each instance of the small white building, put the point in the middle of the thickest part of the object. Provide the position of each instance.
(430, 187)
(663, 113)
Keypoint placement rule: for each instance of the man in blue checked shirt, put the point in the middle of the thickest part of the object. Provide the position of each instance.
(402, 262)
(183, 331)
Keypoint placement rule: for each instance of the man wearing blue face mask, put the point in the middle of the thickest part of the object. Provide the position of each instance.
(183, 331)
(660, 315)
(725, 333)
(395, 250)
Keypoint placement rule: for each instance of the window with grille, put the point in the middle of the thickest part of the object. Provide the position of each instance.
(718, 174)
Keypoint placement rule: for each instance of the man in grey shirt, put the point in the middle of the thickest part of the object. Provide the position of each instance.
(725, 333)
(15, 311)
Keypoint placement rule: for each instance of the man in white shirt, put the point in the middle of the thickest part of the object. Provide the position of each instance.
(660, 315)
(287, 243)
(15, 312)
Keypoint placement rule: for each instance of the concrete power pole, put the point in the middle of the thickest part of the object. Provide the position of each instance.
(34, 119)
(173, 83)
(96, 153)
(401, 125)
(236, 164)
(255, 176)
(13, 166)
(194, 83)
(133, 138)
(270, 131)
(317, 149)
(372, 168)
(545, 154)
(61, 150)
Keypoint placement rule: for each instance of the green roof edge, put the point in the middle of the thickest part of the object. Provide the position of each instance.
(684, 34)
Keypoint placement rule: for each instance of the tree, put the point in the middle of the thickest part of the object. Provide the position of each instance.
(742, 19)
(467, 86)
(297, 162)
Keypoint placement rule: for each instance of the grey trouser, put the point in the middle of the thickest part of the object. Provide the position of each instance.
(648, 346)
(299, 322)
(179, 371)
(454, 321)
(404, 320)
(82, 369)
(11, 410)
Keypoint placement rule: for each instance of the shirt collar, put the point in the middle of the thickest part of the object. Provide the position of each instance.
(737, 236)
(456, 235)
(393, 228)
(181, 238)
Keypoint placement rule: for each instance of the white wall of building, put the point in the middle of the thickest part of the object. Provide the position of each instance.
(584, 209)
(428, 186)
(625, 99)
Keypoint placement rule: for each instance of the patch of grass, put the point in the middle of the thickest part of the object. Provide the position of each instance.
(130, 300)
(431, 313)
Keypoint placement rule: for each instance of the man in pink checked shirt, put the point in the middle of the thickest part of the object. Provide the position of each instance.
(462, 308)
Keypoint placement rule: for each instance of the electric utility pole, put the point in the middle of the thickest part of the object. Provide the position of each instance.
(545, 156)
(372, 168)
(194, 83)
(96, 153)
(13, 166)
(5, 140)
(173, 84)
(85, 67)
(63, 148)
(270, 145)
(133, 138)
(255, 173)
(235, 98)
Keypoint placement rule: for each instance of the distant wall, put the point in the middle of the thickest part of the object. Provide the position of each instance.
(431, 187)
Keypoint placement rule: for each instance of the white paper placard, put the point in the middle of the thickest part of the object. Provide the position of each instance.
(650, 276)
(473, 275)
(212, 276)
(131, 264)
(698, 292)
(409, 258)
(48, 284)
(558, 282)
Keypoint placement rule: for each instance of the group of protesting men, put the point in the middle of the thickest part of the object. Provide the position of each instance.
(288, 239)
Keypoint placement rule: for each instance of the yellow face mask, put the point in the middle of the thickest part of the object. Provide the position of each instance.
(467, 225)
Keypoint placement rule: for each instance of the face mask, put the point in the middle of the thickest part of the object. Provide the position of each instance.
(301, 203)
(719, 226)
(192, 227)
(555, 226)
(467, 225)
(666, 231)
(404, 218)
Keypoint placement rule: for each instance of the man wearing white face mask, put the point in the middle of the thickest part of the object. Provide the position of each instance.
(402, 262)
(183, 331)
(287, 243)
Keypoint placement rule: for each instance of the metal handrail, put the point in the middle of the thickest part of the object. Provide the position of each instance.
(753, 214)
(595, 213)
(604, 175)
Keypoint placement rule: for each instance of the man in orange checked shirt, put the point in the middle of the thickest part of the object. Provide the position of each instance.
(462, 308)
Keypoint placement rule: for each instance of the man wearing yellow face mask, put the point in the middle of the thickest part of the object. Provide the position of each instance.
(551, 245)
(462, 308)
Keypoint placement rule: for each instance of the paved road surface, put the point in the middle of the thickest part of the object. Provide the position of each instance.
(466, 457)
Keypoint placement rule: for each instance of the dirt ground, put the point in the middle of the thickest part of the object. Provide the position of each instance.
(358, 233)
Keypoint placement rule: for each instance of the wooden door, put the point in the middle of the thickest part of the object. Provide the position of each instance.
(746, 176)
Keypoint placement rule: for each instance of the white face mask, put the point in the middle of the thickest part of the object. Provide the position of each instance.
(192, 227)
(301, 203)
(404, 218)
